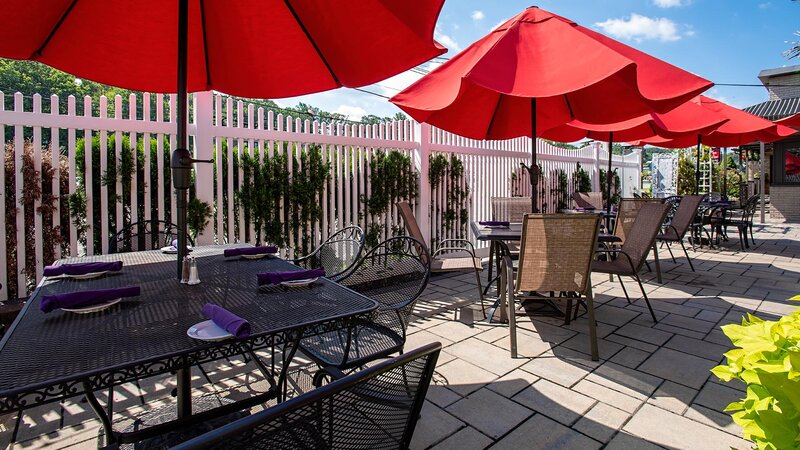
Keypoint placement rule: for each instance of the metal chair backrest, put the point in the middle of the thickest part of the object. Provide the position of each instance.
(643, 233)
(556, 252)
(588, 199)
(749, 207)
(338, 253)
(394, 274)
(511, 209)
(685, 214)
(627, 210)
(376, 408)
(144, 235)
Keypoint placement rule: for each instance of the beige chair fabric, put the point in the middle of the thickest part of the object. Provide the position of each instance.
(627, 211)
(512, 209)
(681, 223)
(588, 199)
(631, 257)
(555, 256)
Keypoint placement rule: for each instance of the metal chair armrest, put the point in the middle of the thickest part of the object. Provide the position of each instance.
(619, 252)
(334, 373)
(469, 248)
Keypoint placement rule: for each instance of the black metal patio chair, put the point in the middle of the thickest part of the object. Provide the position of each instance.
(145, 235)
(394, 274)
(742, 220)
(337, 254)
(376, 408)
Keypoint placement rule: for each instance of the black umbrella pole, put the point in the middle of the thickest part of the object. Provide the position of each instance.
(609, 176)
(697, 168)
(533, 170)
(179, 180)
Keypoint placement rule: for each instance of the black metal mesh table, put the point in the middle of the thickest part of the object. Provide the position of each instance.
(47, 357)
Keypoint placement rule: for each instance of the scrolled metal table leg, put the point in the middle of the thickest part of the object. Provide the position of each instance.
(111, 436)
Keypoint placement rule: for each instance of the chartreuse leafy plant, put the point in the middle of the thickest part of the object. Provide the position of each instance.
(767, 358)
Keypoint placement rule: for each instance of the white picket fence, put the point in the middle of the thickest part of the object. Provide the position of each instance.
(491, 168)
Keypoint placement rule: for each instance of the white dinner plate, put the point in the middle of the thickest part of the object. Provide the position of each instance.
(208, 331)
(296, 283)
(257, 256)
(170, 250)
(87, 276)
(93, 308)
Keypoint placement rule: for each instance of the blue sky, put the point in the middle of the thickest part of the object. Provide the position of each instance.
(725, 41)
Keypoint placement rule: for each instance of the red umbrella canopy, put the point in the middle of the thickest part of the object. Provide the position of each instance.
(485, 91)
(741, 128)
(686, 118)
(791, 121)
(250, 48)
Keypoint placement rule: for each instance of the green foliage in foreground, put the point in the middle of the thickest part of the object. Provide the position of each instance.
(766, 357)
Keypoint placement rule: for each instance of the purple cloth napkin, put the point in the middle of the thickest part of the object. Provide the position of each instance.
(232, 323)
(494, 223)
(278, 277)
(82, 268)
(85, 298)
(250, 250)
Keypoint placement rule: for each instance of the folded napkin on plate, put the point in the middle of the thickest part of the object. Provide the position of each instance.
(494, 223)
(250, 250)
(279, 277)
(227, 320)
(82, 268)
(80, 299)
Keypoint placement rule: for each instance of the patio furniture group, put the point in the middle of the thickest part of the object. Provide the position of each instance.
(60, 355)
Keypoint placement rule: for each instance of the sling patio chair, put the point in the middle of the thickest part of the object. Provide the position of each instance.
(681, 223)
(555, 257)
(337, 254)
(451, 255)
(631, 257)
(627, 210)
(588, 200)
(376, 408)
(394, 274)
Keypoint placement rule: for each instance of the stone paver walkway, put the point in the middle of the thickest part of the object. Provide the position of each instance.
(651, 388)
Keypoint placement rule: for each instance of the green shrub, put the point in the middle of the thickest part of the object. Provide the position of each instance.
(766, 357)
(581, 180)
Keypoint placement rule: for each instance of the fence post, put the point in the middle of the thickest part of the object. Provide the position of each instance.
(596, 168)
(423, 161)
(204, 149)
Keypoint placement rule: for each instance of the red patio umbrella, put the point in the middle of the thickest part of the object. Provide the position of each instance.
(688, 117)
(741, 128)
(248, 48)
(791, 121)
(538, 71)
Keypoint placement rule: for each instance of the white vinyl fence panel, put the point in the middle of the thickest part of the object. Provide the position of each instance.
(143, 131)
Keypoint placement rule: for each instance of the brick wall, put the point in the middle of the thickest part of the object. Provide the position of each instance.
(784, 203)
(781, 92)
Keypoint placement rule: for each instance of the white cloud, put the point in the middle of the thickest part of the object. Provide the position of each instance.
(671, 3)
(447, 41)
(639, 28)
(351, 112)
(764, 5)
(477, 15)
